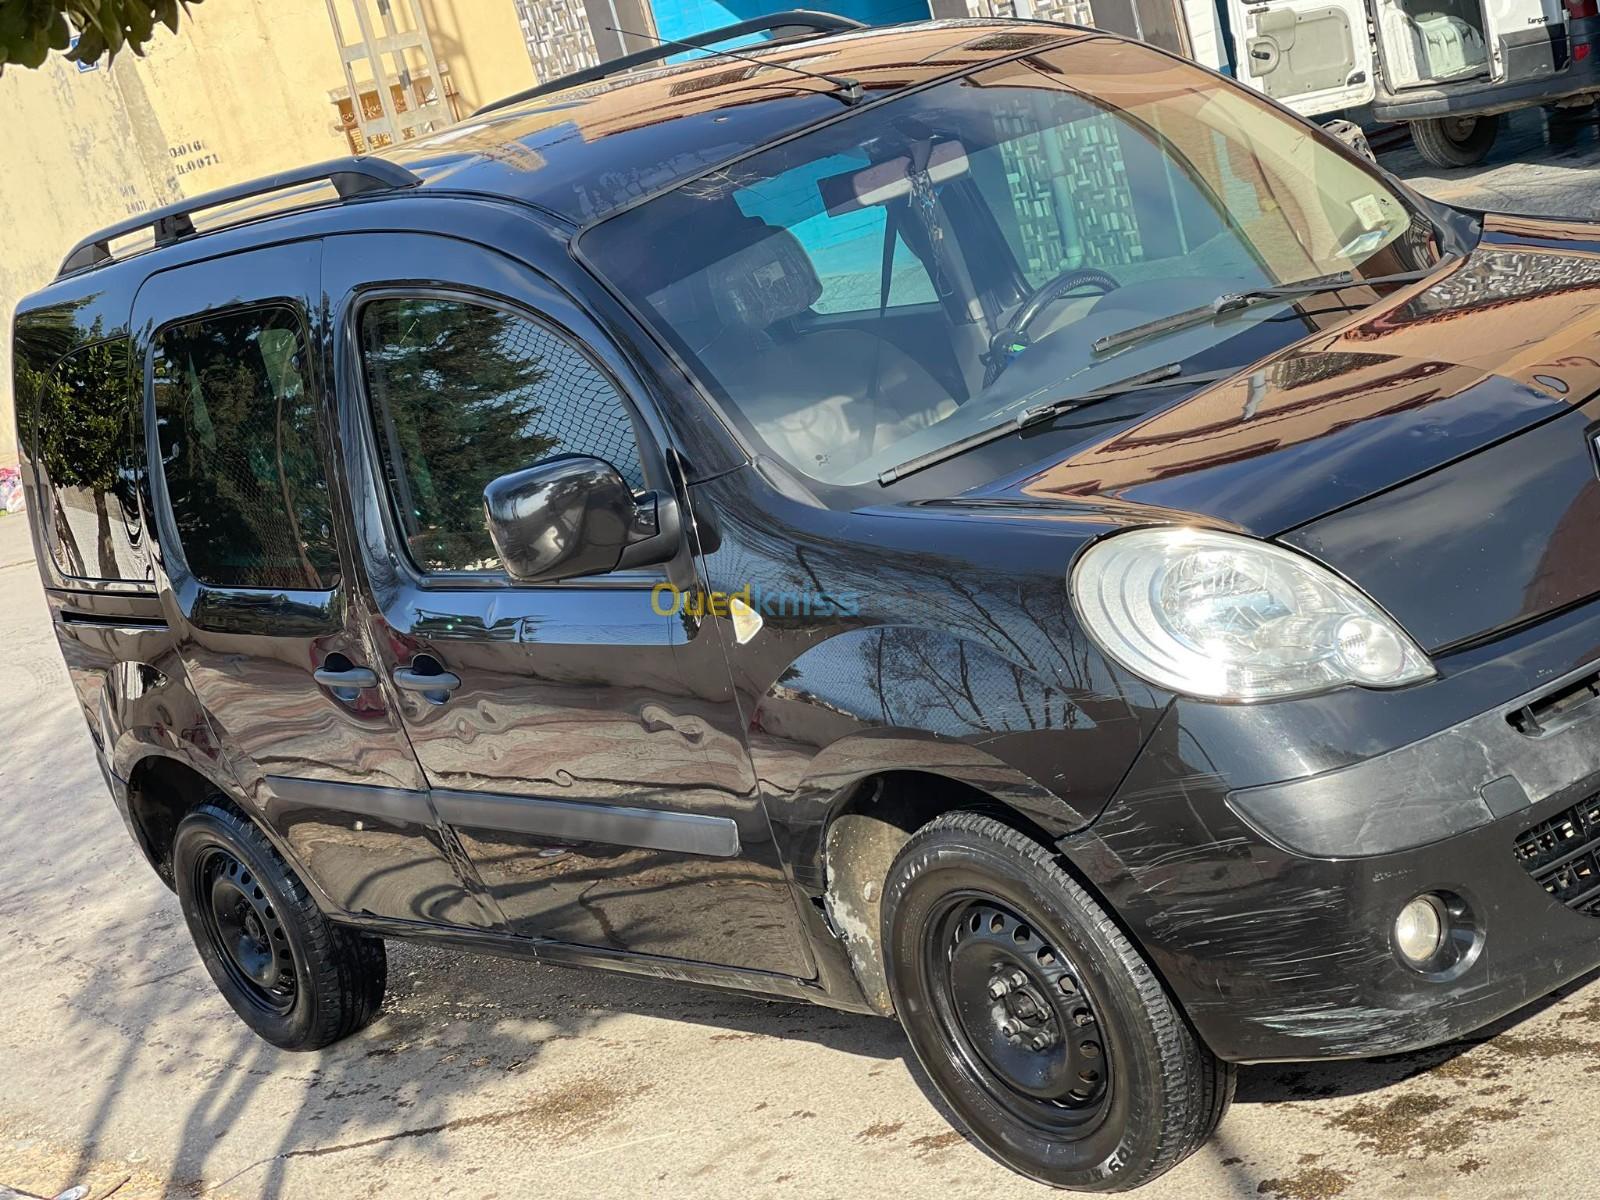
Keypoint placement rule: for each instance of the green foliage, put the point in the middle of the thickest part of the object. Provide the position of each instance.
(457, 404)
(237, 428)
(75, 403)
(84, 418)
(30, 29)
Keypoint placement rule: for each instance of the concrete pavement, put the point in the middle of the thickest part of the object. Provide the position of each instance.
(1538, 165)
(121, 1068)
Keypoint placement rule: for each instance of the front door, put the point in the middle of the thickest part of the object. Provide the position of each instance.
(255, 576)
(1315, 56)
(581, 737)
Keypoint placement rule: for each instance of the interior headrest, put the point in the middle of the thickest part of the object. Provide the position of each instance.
(764, 282)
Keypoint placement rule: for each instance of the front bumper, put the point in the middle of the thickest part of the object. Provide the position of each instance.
(1268, 909)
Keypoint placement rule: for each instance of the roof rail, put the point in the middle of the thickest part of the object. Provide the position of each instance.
(353, 176)
(795, 23)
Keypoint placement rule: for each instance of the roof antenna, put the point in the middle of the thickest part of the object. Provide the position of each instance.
(849, 89)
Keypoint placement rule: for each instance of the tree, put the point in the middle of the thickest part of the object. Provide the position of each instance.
(458, 394)
(75, 407)
(30, 29)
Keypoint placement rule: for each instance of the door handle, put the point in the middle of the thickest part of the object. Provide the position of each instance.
(353, 678)
(416, 681)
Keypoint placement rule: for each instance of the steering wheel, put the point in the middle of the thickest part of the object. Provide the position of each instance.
(1012, 339)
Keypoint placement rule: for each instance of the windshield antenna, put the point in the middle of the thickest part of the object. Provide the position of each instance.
(849, 89)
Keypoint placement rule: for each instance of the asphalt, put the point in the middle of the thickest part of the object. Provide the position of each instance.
(121, 1069)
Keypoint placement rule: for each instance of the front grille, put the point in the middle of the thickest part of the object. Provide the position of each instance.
(1563, 855)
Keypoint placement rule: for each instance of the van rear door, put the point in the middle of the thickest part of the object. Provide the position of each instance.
(1315, 56)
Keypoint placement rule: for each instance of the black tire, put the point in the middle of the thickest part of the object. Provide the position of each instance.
(972, 905)
(294, 977)
(1455, 141)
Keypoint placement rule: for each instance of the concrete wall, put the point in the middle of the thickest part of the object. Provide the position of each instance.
(241, 90)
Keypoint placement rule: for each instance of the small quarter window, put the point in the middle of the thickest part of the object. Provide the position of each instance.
(236, 418)
(84, 418)
(463, 393)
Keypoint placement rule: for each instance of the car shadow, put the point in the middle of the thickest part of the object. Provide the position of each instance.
(452, 1019)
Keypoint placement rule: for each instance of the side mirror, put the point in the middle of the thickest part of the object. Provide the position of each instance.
(575, 516)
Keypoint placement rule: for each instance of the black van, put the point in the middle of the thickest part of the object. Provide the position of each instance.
(984, 522)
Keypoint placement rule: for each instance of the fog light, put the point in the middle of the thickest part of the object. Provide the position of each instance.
(1420, 930)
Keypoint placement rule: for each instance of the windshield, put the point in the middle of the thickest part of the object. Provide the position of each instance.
(889, 284)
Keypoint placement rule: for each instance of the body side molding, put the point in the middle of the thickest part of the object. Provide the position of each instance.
(569, 821)
(563, 820)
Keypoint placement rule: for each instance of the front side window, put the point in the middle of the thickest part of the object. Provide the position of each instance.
(84, 418)
(462, 393)
(1032, 209)
(236, 421)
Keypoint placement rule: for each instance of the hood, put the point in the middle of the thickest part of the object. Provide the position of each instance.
(1439, 450)
(1508, 339)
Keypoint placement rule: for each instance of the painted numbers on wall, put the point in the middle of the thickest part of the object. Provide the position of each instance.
(132, 202)
(191, 156)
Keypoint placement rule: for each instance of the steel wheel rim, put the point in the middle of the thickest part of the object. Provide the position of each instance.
(1014, 1011)
(244, 931)
(1459, 129)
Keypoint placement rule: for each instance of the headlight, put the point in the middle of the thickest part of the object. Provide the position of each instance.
(1226, 617)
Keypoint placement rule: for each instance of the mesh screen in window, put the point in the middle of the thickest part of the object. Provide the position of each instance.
(461, 394)
(237, 426)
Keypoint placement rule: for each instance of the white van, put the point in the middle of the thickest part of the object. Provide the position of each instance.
(1449, 68)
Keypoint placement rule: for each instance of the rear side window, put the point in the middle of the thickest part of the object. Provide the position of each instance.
(87, 464)
(236, 420)
(463, 393)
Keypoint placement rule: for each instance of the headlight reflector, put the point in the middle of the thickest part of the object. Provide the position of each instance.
(1226, 617)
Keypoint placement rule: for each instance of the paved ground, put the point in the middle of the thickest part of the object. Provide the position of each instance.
(487, 1078)
(1537, 166)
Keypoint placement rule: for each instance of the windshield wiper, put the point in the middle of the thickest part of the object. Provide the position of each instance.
(1168, 375)
(1236, 301)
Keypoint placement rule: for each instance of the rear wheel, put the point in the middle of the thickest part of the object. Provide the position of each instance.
(295, 978)
(1455, 141)
(1035, 1018)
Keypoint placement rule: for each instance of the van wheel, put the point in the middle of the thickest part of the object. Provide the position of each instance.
(294, 977)
(1455, 141)
(1035, 1018)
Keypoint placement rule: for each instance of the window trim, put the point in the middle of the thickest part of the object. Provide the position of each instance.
(162, 503)
(360, 409)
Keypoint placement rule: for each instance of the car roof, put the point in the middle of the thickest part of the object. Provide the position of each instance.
(586, 151)
(581, 153)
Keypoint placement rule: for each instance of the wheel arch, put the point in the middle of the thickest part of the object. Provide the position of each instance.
(163, 788)
(870, 824)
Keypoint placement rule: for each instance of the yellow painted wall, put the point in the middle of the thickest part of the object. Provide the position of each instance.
(241, 90)
(72, 162)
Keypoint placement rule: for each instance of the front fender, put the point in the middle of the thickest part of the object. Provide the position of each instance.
(902, 698)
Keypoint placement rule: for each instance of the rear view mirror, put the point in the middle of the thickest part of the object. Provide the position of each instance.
(890, 180)
(574, 516)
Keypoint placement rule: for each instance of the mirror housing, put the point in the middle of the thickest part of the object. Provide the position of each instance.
(573, 516)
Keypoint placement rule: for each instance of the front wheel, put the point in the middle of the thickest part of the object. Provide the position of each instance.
(1035, 1018)
(1455, 141)
(294, 977)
